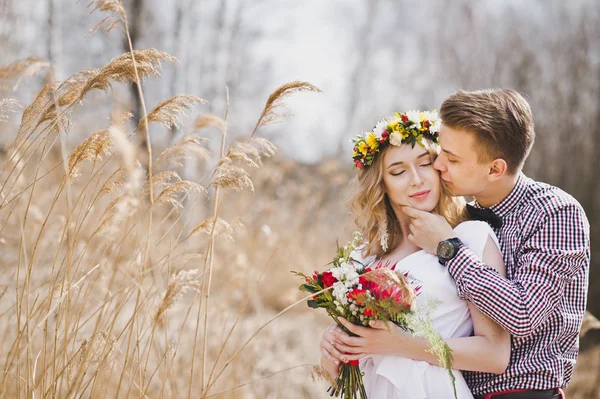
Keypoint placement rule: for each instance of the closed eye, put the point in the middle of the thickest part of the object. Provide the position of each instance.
(426, 164)
(398, 173)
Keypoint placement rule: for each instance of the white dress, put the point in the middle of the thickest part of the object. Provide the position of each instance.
(395, 377)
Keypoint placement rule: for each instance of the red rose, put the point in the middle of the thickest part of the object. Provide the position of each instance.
(328, 279)
(385, 134)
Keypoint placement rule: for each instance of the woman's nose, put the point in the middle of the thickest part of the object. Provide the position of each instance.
(416, 179)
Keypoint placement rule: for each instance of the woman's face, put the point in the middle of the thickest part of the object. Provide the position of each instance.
(409, 177)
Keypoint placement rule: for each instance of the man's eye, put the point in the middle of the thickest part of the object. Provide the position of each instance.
(452, 160)
(426, 164)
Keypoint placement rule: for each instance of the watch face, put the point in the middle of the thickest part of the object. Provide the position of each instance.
(446, 250)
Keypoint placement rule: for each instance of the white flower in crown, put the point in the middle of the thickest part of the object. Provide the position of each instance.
(380, 127)
(395, 138)
(432, 116)
(415, 118)
(435, 127)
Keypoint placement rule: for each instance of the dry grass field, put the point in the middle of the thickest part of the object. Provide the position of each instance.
(122, 279)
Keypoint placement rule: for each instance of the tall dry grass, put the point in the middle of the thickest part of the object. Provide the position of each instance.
(108, 289)
(121, 279)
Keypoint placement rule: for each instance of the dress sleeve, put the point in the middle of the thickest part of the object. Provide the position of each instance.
(474, 234)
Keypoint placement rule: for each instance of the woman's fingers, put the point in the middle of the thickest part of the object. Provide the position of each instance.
(347, 348)
(331, 349)
(329, 357)
(328, 336)
(346, 339)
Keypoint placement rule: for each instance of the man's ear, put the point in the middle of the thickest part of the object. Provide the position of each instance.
(498, 168)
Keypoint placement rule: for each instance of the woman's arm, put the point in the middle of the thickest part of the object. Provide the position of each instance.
(487, 351)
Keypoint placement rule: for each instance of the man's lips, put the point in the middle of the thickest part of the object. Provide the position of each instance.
(421, 194)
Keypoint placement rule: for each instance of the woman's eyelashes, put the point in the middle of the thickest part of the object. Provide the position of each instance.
(400, 172)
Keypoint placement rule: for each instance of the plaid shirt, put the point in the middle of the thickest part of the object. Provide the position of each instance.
(545, 243)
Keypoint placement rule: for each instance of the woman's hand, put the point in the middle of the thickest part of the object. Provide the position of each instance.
(330, 356)
(381, 339)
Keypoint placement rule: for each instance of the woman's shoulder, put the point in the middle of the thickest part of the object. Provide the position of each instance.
(477, 226)
(474, 234)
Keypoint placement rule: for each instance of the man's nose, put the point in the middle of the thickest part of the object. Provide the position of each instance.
(439, 165)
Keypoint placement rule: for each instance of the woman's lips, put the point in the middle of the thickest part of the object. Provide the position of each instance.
(421, 195)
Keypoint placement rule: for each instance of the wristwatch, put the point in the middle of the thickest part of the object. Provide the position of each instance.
(447, 249)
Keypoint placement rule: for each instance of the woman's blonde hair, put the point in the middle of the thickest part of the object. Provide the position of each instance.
(371, 206)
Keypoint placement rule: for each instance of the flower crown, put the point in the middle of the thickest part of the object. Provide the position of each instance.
(410, 127)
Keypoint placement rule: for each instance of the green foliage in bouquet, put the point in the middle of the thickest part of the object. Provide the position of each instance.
(361, 293)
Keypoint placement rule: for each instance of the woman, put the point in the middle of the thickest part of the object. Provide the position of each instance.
(395, 170)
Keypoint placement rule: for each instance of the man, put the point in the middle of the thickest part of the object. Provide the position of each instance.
(543, 232)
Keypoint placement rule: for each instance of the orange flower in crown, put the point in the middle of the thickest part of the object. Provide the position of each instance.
(408, 128)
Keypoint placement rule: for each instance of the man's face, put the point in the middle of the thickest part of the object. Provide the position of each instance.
(461, 171)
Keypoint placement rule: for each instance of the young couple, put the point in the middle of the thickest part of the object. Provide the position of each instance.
(510, 271)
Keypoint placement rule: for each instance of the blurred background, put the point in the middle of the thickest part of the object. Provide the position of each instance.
(369, 58)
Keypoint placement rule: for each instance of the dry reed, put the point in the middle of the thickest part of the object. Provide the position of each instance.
(98, 308)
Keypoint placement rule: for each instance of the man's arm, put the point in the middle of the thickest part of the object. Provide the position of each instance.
(556, 251)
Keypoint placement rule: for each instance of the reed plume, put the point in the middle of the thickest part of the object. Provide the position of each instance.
(116, 14)
(276, 101)
(168, 112)
(121, 69)
(181, 283)
(92, 149)
(22, 69)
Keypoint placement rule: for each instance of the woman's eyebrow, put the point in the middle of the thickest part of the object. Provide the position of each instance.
(401, 162)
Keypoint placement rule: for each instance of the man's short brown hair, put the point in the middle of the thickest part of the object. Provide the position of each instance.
(501, 120)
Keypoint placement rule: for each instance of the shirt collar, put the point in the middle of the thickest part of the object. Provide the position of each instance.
(509, 203)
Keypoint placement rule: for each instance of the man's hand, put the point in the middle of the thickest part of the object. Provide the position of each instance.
(427, 230)
(379, 339)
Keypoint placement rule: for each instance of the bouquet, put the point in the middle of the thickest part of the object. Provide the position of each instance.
(360, 293)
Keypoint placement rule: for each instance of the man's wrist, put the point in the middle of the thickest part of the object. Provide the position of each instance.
(448, 249)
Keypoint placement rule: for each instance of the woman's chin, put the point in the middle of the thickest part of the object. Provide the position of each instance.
(423, 206)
